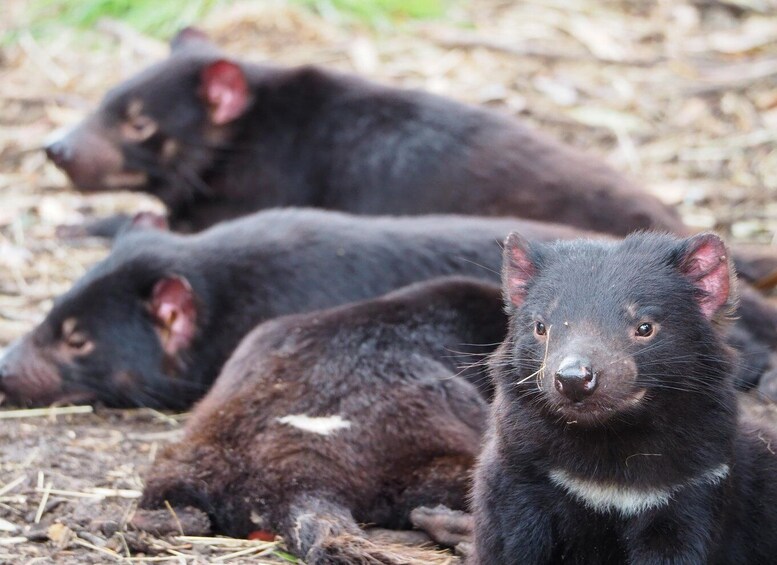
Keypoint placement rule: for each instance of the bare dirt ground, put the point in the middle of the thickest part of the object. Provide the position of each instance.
(680, 94)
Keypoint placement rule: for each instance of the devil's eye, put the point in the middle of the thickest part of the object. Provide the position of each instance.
(74, 338)
(645, 329)
(77, 340)
(539, 328)
(139, 128)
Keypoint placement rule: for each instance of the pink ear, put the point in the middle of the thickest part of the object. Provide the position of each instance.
(705, 263)
(149, 221)
(517, 268)
(188, 36)
(225, 90)
(172, 304)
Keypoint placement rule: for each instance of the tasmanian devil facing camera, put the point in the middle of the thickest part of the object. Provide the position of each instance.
(322, 421)
(153, 323)
(216, 138)
(614, 436)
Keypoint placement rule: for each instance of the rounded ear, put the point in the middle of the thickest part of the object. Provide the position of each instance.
(188, 36)
(517, 269)
(705, 263)
(172, 305)
(225, 90)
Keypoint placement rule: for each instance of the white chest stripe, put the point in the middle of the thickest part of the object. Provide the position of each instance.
(322, 425)
(607, 497)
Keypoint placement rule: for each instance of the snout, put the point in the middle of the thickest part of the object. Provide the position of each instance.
(87, 155)
(9, 354)
(3, 372)
(7, 367)
(26, 378)
(592, 382)
(575, 378)
(59, 153)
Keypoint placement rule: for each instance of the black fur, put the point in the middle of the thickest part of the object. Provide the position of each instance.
(390, 370)
(274, 263)
(308, 136)
(242, 272)
(591, 298)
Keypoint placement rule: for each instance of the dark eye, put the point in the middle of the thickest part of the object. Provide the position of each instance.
(644, 330)
(77, 340)
(539, 328)
(73, 338)
(139, 128)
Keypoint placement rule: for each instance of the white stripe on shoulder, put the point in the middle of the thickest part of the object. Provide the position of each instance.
(608, 497)
(322, 425)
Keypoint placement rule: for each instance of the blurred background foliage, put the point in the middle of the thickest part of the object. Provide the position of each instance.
(161, 18)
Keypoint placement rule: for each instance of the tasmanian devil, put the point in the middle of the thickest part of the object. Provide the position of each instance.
(614, 435)
(325, 420)
(153, 323)
(216, 138)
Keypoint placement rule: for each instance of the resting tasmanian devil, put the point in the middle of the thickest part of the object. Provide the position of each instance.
(215, 138)
(614, 434)
(325, 420)
(153, 323)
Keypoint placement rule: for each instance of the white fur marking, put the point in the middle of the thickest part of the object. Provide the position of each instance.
(607, 497)
(256, 519)
(322, 425)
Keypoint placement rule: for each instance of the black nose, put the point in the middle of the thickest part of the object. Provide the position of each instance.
(59, 153)
(575, 379)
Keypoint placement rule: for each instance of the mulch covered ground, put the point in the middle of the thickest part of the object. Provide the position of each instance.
(680, 94)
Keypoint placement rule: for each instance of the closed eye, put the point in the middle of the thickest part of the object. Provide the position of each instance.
(138, 128)
(75, 339)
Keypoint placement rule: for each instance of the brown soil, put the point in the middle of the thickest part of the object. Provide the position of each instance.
(681, 94)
